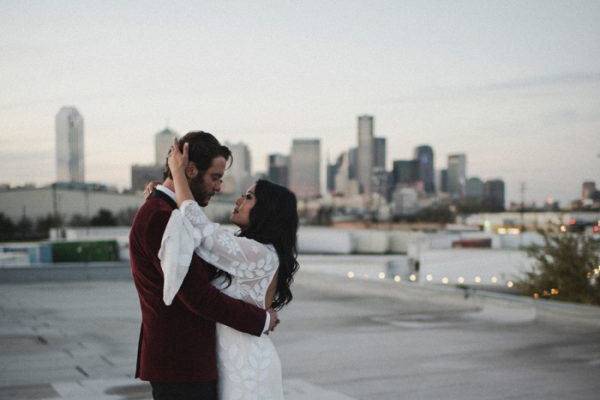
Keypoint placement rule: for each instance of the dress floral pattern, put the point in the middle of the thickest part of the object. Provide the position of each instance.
(249, 367)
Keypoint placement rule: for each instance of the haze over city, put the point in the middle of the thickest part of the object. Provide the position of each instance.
(515, 86)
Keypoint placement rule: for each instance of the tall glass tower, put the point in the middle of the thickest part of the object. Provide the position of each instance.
(457, 175)
(69, 146)
(424, 155)
(365, 152)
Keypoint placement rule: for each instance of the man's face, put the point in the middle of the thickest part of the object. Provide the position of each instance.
(203, 187)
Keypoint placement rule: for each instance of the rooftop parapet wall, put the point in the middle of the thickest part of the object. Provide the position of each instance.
(499, 307)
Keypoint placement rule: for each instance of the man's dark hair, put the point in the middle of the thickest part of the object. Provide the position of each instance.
(203, 149)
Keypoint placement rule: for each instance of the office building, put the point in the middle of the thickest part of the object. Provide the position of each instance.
(406, 201)
(379, 153)
(353, 163)
(405, 173)
(69, 146)
(587, 190)
(424, 155)
(278, 169)
(332, 171)
(443, 181)
(474, 189)
(494, 195)
(382, 182)
(142, 174)
(365, 153)
(240, 170)
(162, 144)
(66, 200)
(457, 175)
(305, 168)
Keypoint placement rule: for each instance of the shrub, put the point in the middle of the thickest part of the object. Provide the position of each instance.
(567, 268)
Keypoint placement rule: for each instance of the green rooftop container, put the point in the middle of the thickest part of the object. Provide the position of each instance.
(85, 251)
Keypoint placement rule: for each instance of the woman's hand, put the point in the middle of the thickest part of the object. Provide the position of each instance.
(178, 160)
(150, 186)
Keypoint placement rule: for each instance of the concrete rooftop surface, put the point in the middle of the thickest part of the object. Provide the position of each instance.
(78, 340)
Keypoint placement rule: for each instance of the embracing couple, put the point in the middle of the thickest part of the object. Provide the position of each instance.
(209, 296)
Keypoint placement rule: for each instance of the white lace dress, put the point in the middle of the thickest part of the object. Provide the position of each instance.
(249, 367)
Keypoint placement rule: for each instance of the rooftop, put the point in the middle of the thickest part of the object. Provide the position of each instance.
(78, 340)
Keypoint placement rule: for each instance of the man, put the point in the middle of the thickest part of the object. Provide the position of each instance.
(176, 350)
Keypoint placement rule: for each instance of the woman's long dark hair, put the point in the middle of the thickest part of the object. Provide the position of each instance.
(274, 220)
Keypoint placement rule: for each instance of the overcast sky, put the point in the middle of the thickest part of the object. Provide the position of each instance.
(514, 85)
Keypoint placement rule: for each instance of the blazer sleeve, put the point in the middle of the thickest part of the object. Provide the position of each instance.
(198, 294)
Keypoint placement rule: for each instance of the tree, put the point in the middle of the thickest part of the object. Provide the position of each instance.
(7, 228)
(44, 224)
(79, 220)
(103, 218)
(441, 214)
(125, 216)
(567, 268)
(24, 229)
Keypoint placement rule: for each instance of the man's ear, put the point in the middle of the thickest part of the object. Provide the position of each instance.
(191, 171)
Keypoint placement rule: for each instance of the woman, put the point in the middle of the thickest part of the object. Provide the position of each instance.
(258, 267)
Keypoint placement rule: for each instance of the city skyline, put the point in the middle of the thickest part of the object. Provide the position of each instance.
(516, 87)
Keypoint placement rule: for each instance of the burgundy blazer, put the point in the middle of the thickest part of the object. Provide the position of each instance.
(177, 342)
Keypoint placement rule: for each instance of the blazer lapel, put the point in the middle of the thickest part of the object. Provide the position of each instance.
(162, 195)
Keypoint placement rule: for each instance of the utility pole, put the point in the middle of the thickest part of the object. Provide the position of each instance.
(523, 188)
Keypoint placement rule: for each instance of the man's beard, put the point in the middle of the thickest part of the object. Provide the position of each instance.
(201, 195)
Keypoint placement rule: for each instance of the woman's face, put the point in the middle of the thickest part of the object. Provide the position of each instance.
(240, 215)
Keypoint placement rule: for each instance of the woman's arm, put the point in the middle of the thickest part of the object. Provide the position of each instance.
(178, 162)
(219, 246)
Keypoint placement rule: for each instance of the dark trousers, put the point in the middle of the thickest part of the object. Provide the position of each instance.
(184, 391)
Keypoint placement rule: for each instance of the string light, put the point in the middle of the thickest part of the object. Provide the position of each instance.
(429, 277)
(397, 278)
(381, 275)
(350, 274)
(445, 280)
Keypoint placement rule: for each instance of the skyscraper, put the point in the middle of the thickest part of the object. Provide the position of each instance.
(142, 174)
(162, 143)
(457, 175)
(405, 172)
(342, 174)
(353, 163)
(587, 190)
(474, 189)
(240, 169)
(444, 181)
(424, 155)
(69, 146)
(279, 165)
(493, 193)
(332, 171)
(379, 153)
(305, 168)
(365, 152)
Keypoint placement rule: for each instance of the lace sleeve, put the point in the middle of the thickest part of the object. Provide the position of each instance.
(241, 257)
(175, 254)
